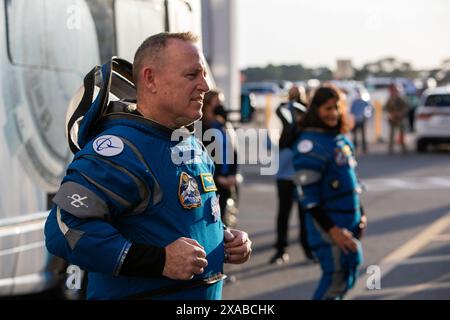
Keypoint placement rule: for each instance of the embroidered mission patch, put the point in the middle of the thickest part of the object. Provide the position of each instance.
(188, 192)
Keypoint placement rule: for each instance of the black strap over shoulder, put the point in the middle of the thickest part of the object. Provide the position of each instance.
(114, 81)
(85, 104)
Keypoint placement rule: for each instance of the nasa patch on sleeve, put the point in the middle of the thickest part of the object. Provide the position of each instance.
(108, 145)
(305, 146)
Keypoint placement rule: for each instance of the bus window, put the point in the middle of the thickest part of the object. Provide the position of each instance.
(102, 15)
(185, 16)
(51, 34)
(135, 21)
(72, 40)
(26, 32)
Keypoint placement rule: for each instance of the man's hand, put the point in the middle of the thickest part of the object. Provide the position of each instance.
(184, 258)
(362, 227)
(227, 182)
(238, 247)
(344, 239)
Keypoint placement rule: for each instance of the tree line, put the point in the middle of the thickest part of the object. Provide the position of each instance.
(386, 67)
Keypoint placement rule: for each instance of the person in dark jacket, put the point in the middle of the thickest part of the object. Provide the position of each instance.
(290, 114)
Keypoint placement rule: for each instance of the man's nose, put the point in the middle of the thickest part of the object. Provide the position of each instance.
(204, 86)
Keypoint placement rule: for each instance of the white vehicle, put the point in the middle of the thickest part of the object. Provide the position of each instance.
(47, 48)
(261, 91)
(433, 118)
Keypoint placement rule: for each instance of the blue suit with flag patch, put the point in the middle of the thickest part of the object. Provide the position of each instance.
(131, 184)
(327, 183)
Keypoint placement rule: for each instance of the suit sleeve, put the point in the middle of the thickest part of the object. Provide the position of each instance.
(310, 162)
(95, 192)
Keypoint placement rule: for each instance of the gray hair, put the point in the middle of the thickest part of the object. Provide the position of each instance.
(152, 48)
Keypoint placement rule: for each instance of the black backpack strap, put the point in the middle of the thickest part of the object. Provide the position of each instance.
(122, 67)
(85, 103)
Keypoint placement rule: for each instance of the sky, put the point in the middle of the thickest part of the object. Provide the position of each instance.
(317, 32)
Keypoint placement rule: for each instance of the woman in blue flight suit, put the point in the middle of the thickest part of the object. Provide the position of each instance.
(329, 192)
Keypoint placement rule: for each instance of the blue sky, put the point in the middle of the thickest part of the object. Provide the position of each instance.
(317, 32)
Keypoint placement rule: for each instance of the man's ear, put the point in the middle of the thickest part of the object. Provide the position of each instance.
(148, 79)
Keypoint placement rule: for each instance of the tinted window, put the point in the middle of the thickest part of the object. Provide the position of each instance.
(102, 15)
(50, 34)
(135, 21)
(380, 86)
(438, 100)
(26, 32)
(261, 90)
(262, 87)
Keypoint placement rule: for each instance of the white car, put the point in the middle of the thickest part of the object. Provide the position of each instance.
(433, 118)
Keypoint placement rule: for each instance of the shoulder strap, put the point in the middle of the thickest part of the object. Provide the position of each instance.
(85, 103)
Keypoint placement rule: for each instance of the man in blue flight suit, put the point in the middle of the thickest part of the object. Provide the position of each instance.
(329, 192)
(141, 222)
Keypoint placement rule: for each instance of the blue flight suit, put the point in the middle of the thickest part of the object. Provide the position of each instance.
(131, 183)
(326, 178)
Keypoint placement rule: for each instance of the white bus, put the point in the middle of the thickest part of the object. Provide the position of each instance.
(47, 46)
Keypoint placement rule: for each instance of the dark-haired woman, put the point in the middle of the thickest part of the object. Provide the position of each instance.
(329, 192)
(226, 168)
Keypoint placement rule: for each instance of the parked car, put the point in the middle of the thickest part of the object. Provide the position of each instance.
(260, 91)
(433, 118)
(284, 85)
(261, 87)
